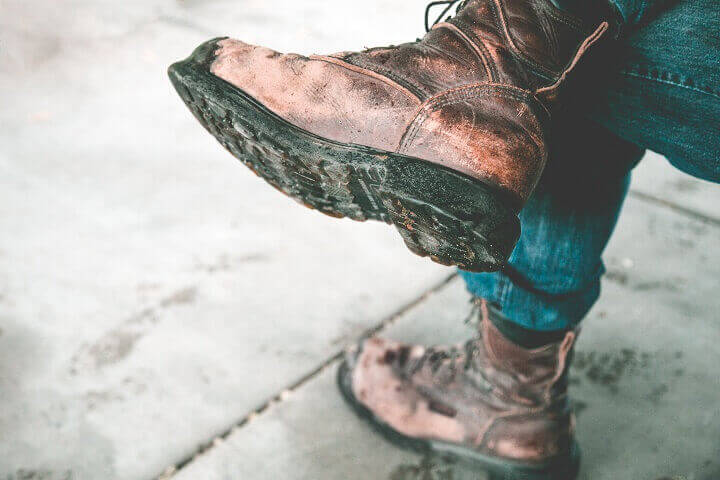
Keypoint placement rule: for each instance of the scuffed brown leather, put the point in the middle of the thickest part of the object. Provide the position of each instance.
(511, 403)
(473, 94)
(403, 407)
(493, 119)
(321, 97)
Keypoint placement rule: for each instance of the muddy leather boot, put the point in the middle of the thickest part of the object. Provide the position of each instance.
(443, 137)
(490, 403)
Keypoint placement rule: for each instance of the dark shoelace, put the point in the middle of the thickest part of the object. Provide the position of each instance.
(436, 357)
(448, 5)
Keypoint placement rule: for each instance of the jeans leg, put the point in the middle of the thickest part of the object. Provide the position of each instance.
(634, 13)
(626, 16)
(553, 276)
(665, 93)
(659, 87)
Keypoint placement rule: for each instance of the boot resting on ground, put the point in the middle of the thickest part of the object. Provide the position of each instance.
(491, 403)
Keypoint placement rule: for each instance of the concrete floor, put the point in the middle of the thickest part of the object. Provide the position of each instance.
(154, 296)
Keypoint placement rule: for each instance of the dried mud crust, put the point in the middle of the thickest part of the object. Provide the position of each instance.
(561, 468)
(439, 212)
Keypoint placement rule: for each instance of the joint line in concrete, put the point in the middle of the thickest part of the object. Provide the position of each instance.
(285, 393)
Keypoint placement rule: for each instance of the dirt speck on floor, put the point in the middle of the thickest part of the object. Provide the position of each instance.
(33, 474)
(429, 468)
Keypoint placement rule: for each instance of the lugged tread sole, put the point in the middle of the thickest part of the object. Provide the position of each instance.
(440, 213)
(497, 468)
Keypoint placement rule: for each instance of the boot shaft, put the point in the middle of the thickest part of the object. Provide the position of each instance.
(524, 37)
(536, 376)
(527, 44)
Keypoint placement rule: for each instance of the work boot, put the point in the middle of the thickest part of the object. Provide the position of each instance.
(490, 403)
(444, 137)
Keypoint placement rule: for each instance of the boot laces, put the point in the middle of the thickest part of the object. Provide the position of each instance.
(448, 5)
(437, 357)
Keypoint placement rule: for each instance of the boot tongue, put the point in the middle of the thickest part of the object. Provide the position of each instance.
(544, 39)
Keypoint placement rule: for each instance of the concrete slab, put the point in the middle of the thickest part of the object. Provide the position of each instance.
(644, 380)
(153, 292)
(313, 435)
(656, 179)
(305, 27)
(140, 265)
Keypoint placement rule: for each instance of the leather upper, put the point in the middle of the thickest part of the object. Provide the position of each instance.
(474, 94)
(495, 397)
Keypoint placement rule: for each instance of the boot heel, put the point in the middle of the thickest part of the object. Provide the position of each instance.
(453, 219)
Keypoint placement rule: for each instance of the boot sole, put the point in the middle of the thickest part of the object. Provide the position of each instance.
(440, 213)
(560, 468)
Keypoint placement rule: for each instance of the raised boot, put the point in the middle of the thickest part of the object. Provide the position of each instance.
(490, 403)
(443, 137)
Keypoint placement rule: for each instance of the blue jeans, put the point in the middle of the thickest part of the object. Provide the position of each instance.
(660, 92)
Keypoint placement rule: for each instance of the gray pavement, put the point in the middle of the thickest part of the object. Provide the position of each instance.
(162, 310)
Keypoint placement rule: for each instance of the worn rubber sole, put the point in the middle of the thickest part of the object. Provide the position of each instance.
(565, 468)
(440, 213)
